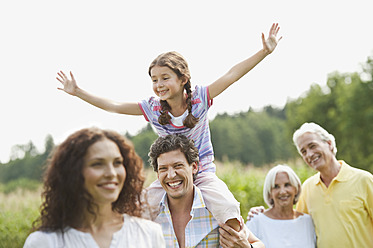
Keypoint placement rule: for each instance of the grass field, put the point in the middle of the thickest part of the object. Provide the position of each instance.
(18, 210)
(19, 207)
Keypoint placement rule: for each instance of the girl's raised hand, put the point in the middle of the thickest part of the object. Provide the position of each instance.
(69, 85)
(270, 44)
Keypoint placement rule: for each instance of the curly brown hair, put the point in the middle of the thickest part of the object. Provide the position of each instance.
(177, 64)
(65, 197)
(170, 143)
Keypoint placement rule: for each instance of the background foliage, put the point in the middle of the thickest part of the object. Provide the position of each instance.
(19, 207)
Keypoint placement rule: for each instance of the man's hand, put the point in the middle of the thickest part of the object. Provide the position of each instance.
(253, 211)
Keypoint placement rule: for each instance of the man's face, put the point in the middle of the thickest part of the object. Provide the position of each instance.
(316, 152)
(175, 174)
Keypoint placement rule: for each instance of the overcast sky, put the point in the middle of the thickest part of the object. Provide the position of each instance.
(109, 45)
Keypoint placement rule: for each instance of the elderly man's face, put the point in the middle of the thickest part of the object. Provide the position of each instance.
(175, 174)
(316, 152)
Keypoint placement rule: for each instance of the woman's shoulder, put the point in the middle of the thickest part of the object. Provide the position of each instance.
(49, 239)
(40, 239)
(257, 218)
(140, 222)
(303, 217)
(301, 214)
(140, 232)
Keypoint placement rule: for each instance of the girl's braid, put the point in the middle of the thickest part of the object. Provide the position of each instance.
(164, 118)
(190, 121)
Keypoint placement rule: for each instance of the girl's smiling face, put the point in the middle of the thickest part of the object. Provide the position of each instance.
(166, 84)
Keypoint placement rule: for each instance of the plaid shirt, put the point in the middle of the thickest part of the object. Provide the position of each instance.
(201, 231)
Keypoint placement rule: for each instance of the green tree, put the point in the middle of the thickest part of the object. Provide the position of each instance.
(252, 137)
(26, 162)
(142, 142)
(345, 108)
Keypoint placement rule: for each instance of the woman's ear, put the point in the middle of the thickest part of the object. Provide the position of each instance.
(271, 201)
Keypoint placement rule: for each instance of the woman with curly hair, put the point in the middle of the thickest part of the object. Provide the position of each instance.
(91, 196)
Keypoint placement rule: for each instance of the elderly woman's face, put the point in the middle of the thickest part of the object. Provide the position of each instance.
(103, 171)
(283, 193)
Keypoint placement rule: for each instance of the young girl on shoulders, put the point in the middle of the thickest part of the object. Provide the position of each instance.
(179, 109)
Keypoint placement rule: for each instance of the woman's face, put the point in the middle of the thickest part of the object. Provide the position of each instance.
(283, 193)
(103, 171)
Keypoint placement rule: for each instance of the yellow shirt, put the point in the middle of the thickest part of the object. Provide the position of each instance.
(343, 212)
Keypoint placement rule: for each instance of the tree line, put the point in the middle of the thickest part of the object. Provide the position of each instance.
(344, 107)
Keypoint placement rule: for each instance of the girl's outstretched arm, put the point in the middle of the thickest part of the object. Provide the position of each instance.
(239, 70)
(70, 86)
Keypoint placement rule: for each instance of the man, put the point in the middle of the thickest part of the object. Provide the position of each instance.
(339, 197)
(185, 220)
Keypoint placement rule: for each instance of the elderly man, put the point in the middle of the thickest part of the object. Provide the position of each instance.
(339, 197)
(185, 220)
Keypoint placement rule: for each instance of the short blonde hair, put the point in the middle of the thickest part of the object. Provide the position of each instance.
(270, 179)
(316, 129)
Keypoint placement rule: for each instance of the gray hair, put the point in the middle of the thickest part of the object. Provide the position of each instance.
(316, 129)
(270, 179)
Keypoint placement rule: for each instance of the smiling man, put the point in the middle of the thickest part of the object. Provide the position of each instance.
(185, 220)
(339, 197)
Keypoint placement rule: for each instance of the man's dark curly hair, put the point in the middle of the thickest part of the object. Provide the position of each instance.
(65, 198)
(170, 143)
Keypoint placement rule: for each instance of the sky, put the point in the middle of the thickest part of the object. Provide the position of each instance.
(109, 45)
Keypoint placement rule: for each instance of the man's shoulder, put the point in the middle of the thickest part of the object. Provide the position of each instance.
(311, 181)
(198, 201)
(355, 172)
(361, 172)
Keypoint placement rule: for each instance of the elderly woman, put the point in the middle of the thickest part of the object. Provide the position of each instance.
(281, 225)
(92, 190)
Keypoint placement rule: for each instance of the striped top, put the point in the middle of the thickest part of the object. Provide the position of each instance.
(202, 230)
(200, 134)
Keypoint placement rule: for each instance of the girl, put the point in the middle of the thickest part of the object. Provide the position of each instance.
(178, 109)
